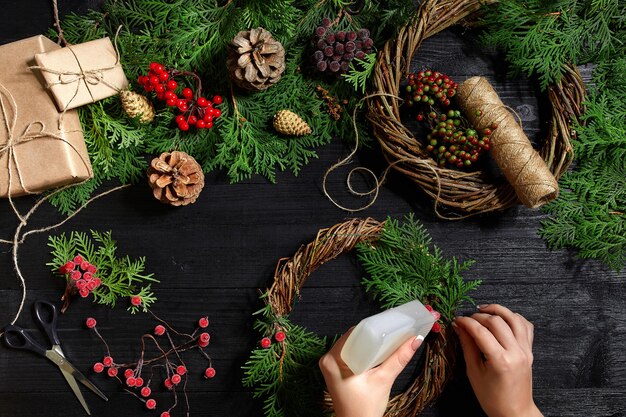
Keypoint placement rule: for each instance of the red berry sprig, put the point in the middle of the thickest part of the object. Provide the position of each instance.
(279, 336)
(80, 278)
(437, 315)
(168, 363)
(430, 87)
(195, 110)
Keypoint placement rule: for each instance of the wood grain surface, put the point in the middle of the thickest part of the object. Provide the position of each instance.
(213, 257)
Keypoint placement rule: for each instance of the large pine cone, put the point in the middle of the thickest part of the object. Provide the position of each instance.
(255, 59)
(176, 178)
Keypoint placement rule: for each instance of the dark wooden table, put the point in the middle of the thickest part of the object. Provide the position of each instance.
(213, 256)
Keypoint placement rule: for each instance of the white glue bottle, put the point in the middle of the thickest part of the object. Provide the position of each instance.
(376, 337)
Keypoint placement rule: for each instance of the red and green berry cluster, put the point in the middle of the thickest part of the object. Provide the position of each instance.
(429, 87)
(169, 363)
(437, 315)
(80, 274)
(279, 336)
(451, 143)
(335, 50)
(195, 110)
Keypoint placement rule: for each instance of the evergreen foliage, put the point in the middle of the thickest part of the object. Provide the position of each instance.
(401, 266)
(540, 38)
(192, 35)
(121, 277)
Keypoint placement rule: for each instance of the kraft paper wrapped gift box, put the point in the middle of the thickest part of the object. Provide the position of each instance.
(36, 153)
(83, 73)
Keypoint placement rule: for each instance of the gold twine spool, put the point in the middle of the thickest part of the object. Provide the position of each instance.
(521, 164)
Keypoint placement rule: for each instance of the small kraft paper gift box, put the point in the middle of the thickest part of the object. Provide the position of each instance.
(37, 153)
(83, 73)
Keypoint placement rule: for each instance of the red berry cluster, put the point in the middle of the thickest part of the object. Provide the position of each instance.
(335, 50)
(169, 360)
(451, 143)
(279, 336)
(195, 110)
(81, 275)
(437, 315)
(428, 87)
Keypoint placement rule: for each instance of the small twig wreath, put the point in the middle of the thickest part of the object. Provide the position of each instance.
(284, 371)
(462, 193)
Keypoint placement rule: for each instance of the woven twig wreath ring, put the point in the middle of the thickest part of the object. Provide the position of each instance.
(291, 273)
(462, 193)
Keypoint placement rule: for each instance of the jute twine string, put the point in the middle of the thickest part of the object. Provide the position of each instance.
(374, 191)
(523, 167)
(34, 131)
(89, 77)
(291, 274)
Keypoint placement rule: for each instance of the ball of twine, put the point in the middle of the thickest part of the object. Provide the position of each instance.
(461, 194)
(291, 274)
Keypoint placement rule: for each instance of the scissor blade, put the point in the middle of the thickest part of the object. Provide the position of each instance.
(62, 363)
(66, 366)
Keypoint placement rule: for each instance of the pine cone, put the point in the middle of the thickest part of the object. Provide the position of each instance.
(136, 104)
(255, 59)
(289, 123)
(176, 178)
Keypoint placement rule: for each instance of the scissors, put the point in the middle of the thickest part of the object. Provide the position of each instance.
(46, 315)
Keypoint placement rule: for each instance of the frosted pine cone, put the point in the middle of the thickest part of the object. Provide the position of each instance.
(136, 105)
(290, 124)
(256, 60)
(175, 178)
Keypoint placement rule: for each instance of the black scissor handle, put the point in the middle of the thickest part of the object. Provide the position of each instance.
(46, 314)
(17, 338)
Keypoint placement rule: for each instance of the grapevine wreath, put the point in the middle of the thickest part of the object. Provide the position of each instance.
(462, 193)
(401, 266)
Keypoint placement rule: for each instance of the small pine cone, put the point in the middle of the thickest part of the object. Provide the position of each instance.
(255, 60)
(175, 178)
(136, 104)
(289, 123)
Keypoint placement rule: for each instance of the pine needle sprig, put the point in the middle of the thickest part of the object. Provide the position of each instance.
(121, 277)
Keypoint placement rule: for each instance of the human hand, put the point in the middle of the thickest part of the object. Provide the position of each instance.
(366, 394)
(497, 346)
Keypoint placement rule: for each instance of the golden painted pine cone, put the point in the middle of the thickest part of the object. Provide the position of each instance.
(175, 178)
(289, 123)
(135, 104)
(255, 60)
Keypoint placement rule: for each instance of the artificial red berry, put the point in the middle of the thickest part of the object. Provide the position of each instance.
(97, 282)
(107, 361)
(151, 404)
(209, 372)
(76, 275)
(436, 315)
(428, 307)
(154, 80)
(158, 68)
(78, 259)
(279, 336)
(165, 414)
(176, 379)
(184, 126)
(87, 276)
(201, 124)
(131, 382)
(181, 370)
(81, 283)
(187, 93)
(208, 124)
(437, 327)
(202, 102)
(91, 285)
(98, 367)
(202, 344)
(217, 100)
(153, 65)
(92, 269)
(164, 76)
(145, 392)
(83, 292)
(170, 101)
(205, 337)
(266, 342)
(192, 120)
(69, 265)
(159, 88)
(168, 383)
(170, 95)
(181, 102)
(159, 330)
(135, 300)
(90, 322)
(112, 372)
(203, 322)
(138, 382)
(172, 85)
(217, 113)
(128, 373)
